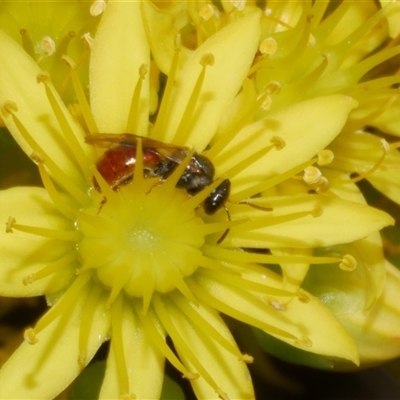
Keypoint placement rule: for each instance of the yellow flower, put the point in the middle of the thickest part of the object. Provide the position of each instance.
(144, 262)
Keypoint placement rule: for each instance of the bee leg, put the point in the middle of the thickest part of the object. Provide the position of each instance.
(225, 234)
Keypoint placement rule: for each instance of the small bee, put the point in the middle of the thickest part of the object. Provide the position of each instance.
(117, 166)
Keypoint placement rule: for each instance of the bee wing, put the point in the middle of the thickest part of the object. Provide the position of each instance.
(169, 151)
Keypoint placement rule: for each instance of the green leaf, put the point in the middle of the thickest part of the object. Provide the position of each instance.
(171, 390)
(88, 383)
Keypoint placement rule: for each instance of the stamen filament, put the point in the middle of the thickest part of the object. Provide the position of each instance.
(27, 43)
(242, 283)
(83, 103)
(56, 172)
(117, 318)
(68, 298)
(51, 268)
(183, 128)
(203, 325)
(247, 257)
(150, 323)
(269, 183)
(88, 315)
(53, 193)
(134, 111)
(179, 343)
(69, 134)
(56, 234)
(235, 313)
(163, 113)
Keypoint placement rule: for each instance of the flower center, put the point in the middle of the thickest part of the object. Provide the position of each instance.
(142, 238)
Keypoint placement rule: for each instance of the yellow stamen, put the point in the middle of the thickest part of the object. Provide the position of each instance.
(86, 322)
(80, 95)
(179, 343)
(194, 315)
(56, 172)
(63, 207)
(63, 306)
(187, 116)
(235, 313)
(56, 234)
(247, 257)
(71, 140)
(117, 342)
(27, 43)
(150, 323)
(135, 109)
(166, 104)
(60, 264)
(270, 183)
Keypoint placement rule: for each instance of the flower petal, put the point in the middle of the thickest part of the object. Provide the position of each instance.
(162, 35)
(18, 73)
(305, 127)
(120, 49)
(313, 325)
(329, 228)
(145, 365)
(31, 206)
(52, 363)
(228, 371)
(233, 48)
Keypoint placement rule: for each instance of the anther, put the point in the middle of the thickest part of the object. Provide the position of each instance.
(312, 40)
(385, 146)
(37, 157)
(317, 210)
(191, 375)
(323, 185)
(312, 175)
(69, 61)
(303, 297)
(10, 224)
(29, 279)
(276, 305)
(325, 157)
(47, 45)
(43, 77)
(8, 107)
(97, 8)
(278, 142)
(247, 358)
(238, 4)
(349, 263)
(304, 342)
(207, 60)
(178, 42)
(143, 69)
(273, 87)
(268, 46)
(87, 38)
(30, 336)
(206, 12)
(267, 102)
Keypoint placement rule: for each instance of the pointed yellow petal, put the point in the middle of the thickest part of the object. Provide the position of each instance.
(18, 73)
(233, 48)
(119, 50)
(332, 227)
(44, 369)
(229, 373)
(313, 325)
(22, 253)
(145, 365)
(306, 128)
